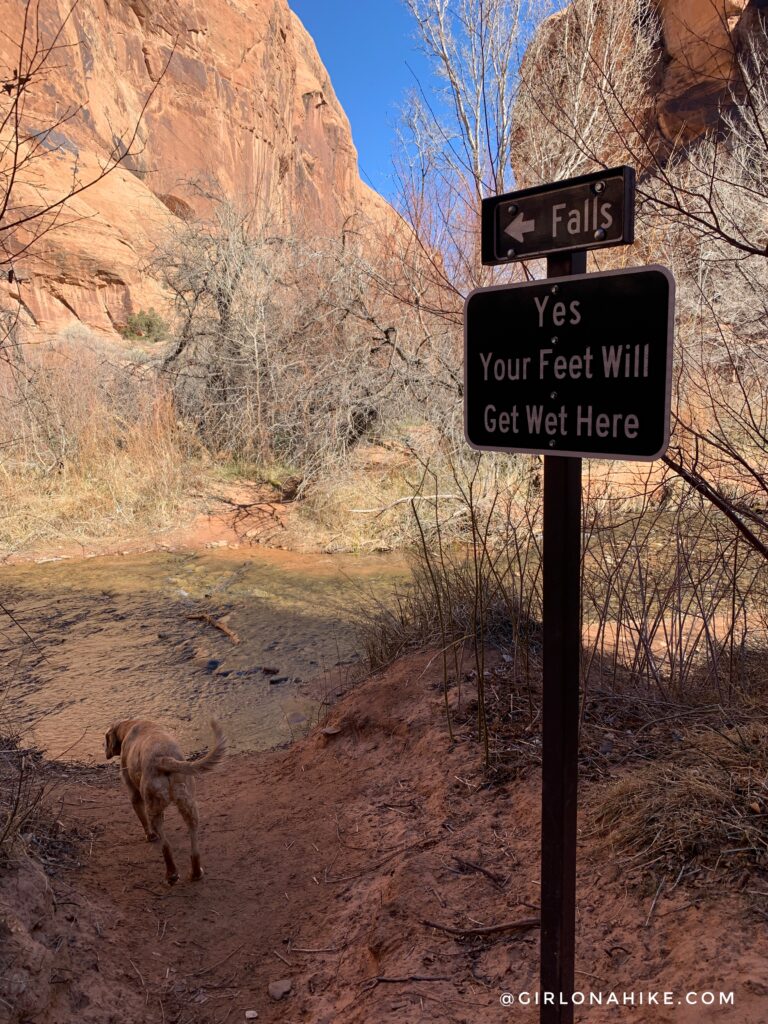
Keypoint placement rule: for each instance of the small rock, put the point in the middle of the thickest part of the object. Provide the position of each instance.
(755, 807)
(212, 664)
(331, 730)
(278, 989)
(296, 718)
(270, 671)
(251, 1015)
(278, 679)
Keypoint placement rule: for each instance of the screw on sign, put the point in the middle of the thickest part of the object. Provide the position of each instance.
(577, 365)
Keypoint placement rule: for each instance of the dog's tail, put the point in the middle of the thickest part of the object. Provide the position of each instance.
(204, 764)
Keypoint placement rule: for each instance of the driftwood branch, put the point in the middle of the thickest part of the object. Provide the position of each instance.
(402, 501)
(216, 623)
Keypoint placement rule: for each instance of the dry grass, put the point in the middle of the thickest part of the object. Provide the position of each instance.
(89, 446)
(358, 507)
(705, 808)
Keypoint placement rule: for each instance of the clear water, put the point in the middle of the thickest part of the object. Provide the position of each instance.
(88, 642)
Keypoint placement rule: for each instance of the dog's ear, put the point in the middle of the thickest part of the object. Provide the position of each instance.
(112, 743)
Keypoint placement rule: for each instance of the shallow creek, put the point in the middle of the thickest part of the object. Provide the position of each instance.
(87, 642)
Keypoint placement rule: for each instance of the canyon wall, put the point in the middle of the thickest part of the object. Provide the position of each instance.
(698, 38)
(235, 94)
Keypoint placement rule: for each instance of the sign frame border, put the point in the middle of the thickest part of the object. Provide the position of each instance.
(488, 207)
(594, 275)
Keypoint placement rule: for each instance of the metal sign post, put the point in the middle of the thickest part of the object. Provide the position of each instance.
(560, 716)
(574, 366)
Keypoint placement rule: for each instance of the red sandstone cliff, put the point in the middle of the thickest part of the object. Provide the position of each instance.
(689, 74)
(245, 99)
(698, 39)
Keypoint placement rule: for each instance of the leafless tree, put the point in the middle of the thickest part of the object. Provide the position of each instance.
(585, 93)
(582, 97)
(457, 142)
(288, 350)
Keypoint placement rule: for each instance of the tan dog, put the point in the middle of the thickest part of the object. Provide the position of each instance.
(156, 774)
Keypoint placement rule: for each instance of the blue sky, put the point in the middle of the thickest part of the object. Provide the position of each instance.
(367, 47)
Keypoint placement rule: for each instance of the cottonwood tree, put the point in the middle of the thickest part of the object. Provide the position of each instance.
(502, 66)
(581, 98)
(585, 95)
(456, 142)
(498, 67)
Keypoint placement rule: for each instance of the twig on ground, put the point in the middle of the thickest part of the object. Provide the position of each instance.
(325, 949)
(218, 963)
(493, 929)
(430, 841)
(370, 983)
(496, 879)
(653, 905)
(138, 972)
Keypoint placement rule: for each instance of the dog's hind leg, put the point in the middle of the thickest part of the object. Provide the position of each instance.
(137, 802)
(188, 810)
(156, 824)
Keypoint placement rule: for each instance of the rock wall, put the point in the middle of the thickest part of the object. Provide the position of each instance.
(698, 38)
(240, 96)
(693, 69)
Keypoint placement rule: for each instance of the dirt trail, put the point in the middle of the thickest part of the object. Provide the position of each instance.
(324, 859)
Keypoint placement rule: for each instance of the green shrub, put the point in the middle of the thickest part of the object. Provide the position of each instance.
(146, 324)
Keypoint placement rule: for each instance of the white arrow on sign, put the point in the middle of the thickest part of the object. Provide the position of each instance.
(519, 227)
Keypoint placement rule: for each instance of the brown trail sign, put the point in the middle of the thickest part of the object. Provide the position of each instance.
(593, 211)
(577, 365)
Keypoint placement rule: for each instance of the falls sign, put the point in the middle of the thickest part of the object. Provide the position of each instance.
(577, 365)
(593, 211)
